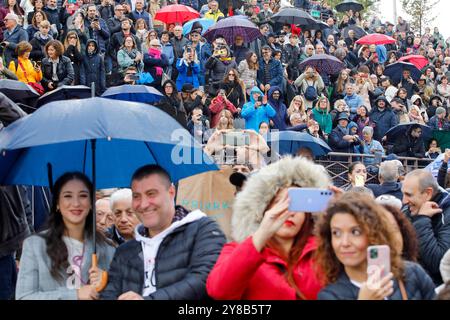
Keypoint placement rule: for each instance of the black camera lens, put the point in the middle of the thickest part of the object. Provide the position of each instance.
(373, 253)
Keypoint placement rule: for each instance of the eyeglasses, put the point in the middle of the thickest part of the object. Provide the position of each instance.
(231, 74)
(71, 37)
(155, 46)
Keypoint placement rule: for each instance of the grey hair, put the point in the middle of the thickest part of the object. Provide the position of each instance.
(389, 200)
(121, 194)
(425, 180)
(389, 171)
(368, 130)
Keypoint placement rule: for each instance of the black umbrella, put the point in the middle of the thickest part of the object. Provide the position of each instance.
(293, 16)
(65, 93)
(223, 5)
(348, 5)
(17, 91)
(318, 25)
(359, 32)
(323, 63)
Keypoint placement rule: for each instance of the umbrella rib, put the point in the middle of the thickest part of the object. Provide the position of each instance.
(150, 150)
(84, 157)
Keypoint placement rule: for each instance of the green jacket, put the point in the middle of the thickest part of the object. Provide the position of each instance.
(324, 120)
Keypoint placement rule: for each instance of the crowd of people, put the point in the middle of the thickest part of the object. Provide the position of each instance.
(152, 249)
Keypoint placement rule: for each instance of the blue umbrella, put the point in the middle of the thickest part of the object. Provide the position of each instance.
(65, 93)
(290, 141)
(206, 23)
(401, 129)
(324, 63)
(136, 93)
(125, 135)
(395, 71)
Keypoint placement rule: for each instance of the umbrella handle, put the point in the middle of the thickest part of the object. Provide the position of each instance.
(104, 280)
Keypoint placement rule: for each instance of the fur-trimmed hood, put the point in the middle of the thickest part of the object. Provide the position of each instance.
(261, 188)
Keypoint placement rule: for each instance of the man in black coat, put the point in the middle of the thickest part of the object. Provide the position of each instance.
(174, 249)
(388, 176)
(340, 139)
(428, 207)
(411, 144)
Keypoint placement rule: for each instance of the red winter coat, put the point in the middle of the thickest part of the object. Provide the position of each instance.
(217, 105)
(242, 273)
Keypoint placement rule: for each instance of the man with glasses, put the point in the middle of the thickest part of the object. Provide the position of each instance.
(214, 12)
(178, 42)
(118, 38)
(97, 28)
(270, 72)
(308, 53)
(13, 34)
(140, 13)
(115, 23)
(240, 51)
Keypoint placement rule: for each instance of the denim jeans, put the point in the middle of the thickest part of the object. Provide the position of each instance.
(8, 277)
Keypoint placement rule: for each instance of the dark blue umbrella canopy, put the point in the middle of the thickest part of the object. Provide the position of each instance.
(231, 27)
(294, 16)
(65, 93)
(136, 93)
(348, 5)
(401, 129)
(126, 135)
(395, 71)
(324, 63)
(290, 141)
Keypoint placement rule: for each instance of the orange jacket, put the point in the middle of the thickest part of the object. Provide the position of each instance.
(31, 74)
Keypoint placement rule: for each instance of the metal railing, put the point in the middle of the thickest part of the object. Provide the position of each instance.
(337, 165)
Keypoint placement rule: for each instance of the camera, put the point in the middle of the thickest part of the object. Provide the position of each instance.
(188, 50)
(133, 77)
(373, 253)
(3, 44)
(260, 99)
(96, 19)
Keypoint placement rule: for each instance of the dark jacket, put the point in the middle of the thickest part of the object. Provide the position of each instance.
(234, 93)
(38, 44)
(338, 144)
(239, 53)
(64, 71)
(383, 120)
(281, 118)
(117, 40)
(150, 64)
(442, 174)
(114, 25)
(184, 259)
(407, 146)
(275, 73)
(433, 235)
(93, 70)
(418, 286)
(291, 56)
(16, 36)
(387, 188)
(53, 16)
(101, 36)
(219, 68)
(76, 59)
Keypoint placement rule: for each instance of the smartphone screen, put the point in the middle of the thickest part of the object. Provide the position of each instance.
(309, 199)
(378, 263)
(359, 181)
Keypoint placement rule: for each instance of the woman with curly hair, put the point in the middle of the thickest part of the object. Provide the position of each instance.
(350, 225)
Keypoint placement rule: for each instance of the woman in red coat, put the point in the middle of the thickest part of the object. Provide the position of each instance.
(272, 256)
(218, 104)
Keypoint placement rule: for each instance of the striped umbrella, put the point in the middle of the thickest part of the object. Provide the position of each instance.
(323, 63)
(231, 27)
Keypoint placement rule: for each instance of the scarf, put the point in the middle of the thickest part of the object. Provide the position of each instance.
(345, 131)
(226, 61)
(54, 68)
(132, 53)
(155, 53)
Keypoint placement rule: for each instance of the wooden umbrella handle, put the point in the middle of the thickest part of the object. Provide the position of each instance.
(104, 280)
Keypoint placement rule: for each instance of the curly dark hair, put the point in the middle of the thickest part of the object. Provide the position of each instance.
(372, 220)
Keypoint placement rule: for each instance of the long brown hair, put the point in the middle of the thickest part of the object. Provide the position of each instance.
(296, 251)
(372, 220)
(248, 58)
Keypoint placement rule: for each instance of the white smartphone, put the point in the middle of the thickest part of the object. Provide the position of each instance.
(309, 199)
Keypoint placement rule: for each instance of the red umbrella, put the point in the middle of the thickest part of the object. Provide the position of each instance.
(376, 38)
(176, 13)
(419, 61)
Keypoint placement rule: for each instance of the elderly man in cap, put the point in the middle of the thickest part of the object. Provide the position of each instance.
(13, 34)
(340, 139)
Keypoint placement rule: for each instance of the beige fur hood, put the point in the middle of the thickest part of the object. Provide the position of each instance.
(262, 186)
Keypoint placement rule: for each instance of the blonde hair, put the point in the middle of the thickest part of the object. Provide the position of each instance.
(291, 108)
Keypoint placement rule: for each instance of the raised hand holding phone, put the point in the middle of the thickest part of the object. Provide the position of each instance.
(309, 199)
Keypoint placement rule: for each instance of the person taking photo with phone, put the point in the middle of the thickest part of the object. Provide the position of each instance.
(271, 258)
(257, 110)
(351, 224)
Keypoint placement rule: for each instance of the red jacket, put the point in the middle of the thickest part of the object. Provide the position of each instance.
(216, 106)
(242, 273)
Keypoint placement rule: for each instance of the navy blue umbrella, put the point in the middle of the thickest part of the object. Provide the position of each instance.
(348, 5)
(395, 71)
(400, 130)
(136, 93)
(290, 141)
(65, 93)
(295, 16)
(17, 91)
(231, 27)
(324, 63)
